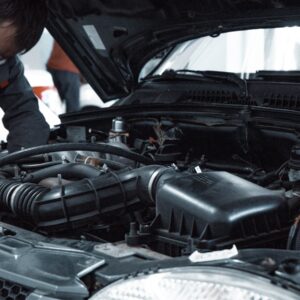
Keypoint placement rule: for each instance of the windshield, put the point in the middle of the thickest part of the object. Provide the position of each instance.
(241, 52)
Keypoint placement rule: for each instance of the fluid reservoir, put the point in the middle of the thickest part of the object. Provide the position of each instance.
(118, 137)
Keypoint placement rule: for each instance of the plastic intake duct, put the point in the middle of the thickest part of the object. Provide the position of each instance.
(79, 203)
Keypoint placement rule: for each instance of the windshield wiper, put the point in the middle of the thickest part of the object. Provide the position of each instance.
(214, 75)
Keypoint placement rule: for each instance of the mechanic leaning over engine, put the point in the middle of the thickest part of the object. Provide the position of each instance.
(21, 26)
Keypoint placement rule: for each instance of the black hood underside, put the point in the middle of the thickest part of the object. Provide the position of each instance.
(110, 41)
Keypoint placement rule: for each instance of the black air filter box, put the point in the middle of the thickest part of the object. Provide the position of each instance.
(218, 208)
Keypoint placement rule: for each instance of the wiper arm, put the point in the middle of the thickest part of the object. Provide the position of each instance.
(216, 75)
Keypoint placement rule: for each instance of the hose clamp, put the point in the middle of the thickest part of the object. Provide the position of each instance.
(151, 183)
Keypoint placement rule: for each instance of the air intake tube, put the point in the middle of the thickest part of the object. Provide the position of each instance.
(79, 203)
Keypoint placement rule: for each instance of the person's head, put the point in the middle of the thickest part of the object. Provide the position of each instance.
(21, 25)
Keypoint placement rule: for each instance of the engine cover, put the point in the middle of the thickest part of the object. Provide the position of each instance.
(217, 209)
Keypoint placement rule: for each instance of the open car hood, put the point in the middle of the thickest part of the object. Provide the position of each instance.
(110, 41)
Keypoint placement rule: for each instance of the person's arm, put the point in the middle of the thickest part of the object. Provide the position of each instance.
(26, 125)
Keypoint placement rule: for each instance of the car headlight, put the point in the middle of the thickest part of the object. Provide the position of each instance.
(194, 283)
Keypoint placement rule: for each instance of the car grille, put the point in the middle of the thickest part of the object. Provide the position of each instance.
(12, 291)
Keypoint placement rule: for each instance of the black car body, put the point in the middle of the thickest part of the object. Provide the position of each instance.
(188, 186)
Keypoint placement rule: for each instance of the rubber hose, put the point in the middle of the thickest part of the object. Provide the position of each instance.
(40, 166)
(99, 148)
(77, 204)
(67, 171)
(229, 168)
(110, 163)
(39, 159)
(113, 164)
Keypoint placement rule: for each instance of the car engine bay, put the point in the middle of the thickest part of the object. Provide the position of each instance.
(147, 184)
(114, 196)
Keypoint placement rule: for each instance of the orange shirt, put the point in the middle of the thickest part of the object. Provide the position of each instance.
(60, 61)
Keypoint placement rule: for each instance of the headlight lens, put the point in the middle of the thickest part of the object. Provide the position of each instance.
(199, 283)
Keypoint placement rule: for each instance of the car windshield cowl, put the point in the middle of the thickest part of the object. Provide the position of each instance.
(224, 77)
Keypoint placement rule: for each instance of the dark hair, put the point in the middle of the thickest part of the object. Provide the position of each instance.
(29, 17)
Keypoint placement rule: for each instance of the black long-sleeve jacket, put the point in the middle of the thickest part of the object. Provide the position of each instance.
(26, 125)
